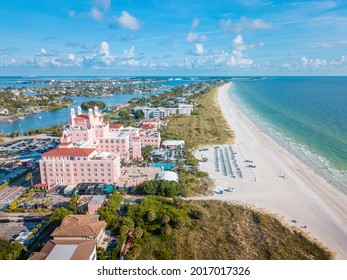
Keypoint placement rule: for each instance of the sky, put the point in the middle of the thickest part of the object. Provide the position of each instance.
(148, 37)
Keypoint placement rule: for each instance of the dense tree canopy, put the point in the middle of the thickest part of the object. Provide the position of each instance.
(10, 251)
(159, 187)
(92, 103)
(59, 214)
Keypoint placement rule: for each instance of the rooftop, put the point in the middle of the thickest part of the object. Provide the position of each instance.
(82, 152)
(97, 200)
(65, 250)
(115, 125)
(79, 226)
(168, 175)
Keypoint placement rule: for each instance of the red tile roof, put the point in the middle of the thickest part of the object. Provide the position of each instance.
(83, 116)
(79, 225)
(147, 126)
(40, 185)
(116, 125)
(82, 152)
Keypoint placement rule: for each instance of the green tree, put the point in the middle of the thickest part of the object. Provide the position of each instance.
(138, 114)
(59, 214)
(123, 115)
(166, 219)
(8, 250)
(92, 103)
(146, 151)
(138, 232)
(30, 178)
(151, 216)
(149, 187)
(14, 134)
(73, 206)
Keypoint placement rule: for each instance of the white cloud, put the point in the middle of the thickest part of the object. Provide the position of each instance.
(128, 21)
(315, 63)
(227, 25)
(238, 59)
(322, 46)
(203, 38)
(43, 51)
(195, 23)
(238, 43)
(199, 49)
(130, 53)
(192, 37)
(244, 24)
(95, 14)
(104, 4)
(104, 49)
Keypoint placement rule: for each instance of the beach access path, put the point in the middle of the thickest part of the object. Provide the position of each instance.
(280, 183)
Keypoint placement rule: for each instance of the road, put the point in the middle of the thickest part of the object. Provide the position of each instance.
(15, 189)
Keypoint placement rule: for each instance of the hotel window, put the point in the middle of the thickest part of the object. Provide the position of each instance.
(102, 169)
(67, 170)
(50, 174)
(89, 174)
(81, 164)
(108, 169)
(83, 180)
(109, 174)
(101, 164)
(88, 169)
(68, 174)
(89, 180)
(102, 175)
(82, 169)
(109, 180)
(88, 164)
(108, 164)
(102, 180)
(82, 174)
(95, 169)
(75, 174)
(75, 169)
(96, 174)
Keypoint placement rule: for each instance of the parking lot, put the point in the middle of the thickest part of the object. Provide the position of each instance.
(12, 229)
(28, 146)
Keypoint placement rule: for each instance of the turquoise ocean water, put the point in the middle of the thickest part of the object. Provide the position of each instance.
(306, 115)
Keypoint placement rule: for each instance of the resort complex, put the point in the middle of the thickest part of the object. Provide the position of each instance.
(91, 150)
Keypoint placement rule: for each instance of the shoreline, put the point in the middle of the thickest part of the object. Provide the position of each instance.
(302, 195)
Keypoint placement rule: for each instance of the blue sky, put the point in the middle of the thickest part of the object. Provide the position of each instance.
(147, 37)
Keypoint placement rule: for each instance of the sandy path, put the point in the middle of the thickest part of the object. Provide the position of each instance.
(302, 195)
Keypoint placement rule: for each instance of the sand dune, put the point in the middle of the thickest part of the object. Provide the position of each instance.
(304, 196)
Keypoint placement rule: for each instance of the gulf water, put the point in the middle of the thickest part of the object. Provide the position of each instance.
(306, 115)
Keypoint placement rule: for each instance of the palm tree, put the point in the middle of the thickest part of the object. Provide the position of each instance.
(30, 178)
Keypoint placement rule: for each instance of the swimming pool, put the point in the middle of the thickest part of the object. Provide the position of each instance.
(166, 166)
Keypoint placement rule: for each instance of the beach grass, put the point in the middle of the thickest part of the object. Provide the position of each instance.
(221, 230)
(206, 126)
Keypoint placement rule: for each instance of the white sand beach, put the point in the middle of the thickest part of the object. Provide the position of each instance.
(280, 183)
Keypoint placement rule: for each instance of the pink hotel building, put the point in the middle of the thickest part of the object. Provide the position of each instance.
(90, 150)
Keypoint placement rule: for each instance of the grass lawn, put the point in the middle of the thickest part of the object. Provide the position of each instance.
(206, 125)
